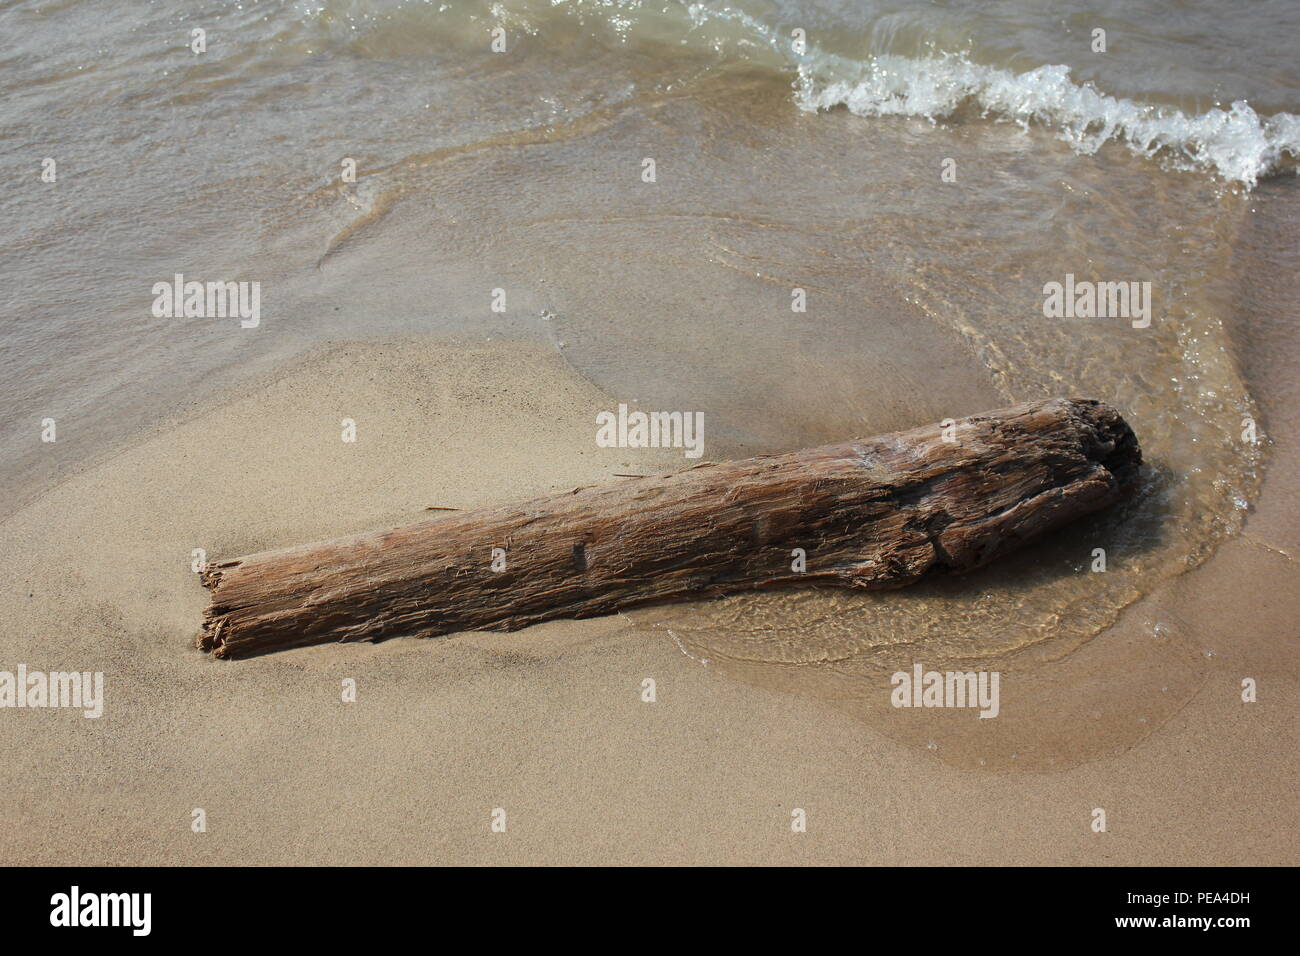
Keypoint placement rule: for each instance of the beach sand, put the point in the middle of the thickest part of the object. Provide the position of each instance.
(549, 723)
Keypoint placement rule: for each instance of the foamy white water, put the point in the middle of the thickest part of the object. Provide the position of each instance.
(1234, 143)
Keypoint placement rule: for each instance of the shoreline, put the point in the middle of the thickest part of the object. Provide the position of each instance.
(549, 721)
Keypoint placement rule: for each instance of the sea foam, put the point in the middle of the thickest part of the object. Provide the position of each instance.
(1236, 143)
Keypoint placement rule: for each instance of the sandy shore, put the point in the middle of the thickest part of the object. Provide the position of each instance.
(549, 723)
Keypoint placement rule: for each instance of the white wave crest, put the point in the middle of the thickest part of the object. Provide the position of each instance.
(1235, 143)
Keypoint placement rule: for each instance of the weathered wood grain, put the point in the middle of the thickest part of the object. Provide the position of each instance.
(871, 513)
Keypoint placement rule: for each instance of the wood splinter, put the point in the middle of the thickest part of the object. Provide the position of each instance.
(870, 513)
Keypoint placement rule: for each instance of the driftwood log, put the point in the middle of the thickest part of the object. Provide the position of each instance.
(872, 513)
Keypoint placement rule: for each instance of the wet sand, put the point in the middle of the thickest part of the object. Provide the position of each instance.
(549, 723)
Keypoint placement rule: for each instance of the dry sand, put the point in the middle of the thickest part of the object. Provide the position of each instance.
(549, 723)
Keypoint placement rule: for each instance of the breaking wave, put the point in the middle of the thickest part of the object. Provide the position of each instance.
(875, 64)
(1237, 143)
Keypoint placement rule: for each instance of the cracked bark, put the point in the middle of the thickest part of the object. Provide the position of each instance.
(872, 513)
